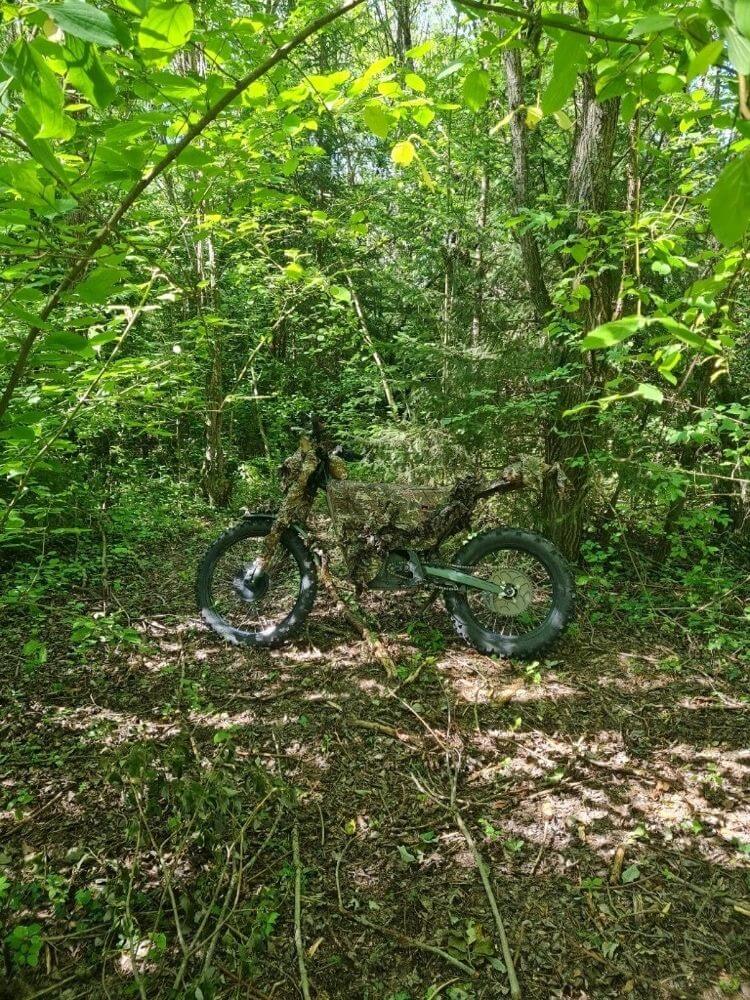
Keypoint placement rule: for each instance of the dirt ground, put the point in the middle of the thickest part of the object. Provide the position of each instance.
(151, 801)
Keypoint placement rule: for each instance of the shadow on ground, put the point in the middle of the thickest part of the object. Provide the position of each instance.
(607, 790)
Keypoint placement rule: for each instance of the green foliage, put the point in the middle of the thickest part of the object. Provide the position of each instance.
(570, 57)
(24, 944)
(730, 200)
(476, 89)
(324, 239)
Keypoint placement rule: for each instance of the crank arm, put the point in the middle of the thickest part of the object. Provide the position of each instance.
(462, 579)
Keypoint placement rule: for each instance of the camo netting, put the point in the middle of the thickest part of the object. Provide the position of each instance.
(372, 518)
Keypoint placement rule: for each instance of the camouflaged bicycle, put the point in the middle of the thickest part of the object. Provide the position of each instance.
(508, 591)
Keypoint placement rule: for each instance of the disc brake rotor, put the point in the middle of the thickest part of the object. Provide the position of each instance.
(518, 592)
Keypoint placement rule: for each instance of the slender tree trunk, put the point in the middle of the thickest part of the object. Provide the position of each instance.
(216, 484)
(477, 319)
(367, 337)
(631, 261)
(447, 306)
(532, 260)
(403, 29)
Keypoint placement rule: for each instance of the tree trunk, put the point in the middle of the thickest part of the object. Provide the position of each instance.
(477, 319)
(449, 248)
(569, 440)
(532, 261)
(216, 484)
(631, 260)
(403, 29)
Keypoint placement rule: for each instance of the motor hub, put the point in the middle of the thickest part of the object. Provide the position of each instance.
(517, 595)
(249, 584)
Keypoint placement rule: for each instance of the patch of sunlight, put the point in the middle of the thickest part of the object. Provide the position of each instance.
(223, 720)
(714, 703)
(486, 691)
(108, 727)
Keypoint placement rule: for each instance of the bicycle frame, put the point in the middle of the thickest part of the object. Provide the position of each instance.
(312, 467)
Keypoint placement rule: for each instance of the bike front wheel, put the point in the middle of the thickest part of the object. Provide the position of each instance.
(261, 610)
(537, 596)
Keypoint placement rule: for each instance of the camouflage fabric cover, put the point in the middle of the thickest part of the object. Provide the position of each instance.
(372, 518)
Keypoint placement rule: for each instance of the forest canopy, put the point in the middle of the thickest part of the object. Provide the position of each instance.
(446, 226)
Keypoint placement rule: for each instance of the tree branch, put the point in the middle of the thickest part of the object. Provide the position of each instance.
(76, 272)
(549, 21)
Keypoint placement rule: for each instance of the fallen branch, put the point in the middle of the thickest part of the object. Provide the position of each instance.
(12, 831)
(408, 942)
(298, 942)
(380, 727)
(374, 642)
(515, 989)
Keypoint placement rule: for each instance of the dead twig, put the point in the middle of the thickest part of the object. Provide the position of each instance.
(384, 730)
(408, 942)
(298, 942)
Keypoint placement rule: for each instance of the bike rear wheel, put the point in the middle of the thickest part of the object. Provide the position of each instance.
(265, 610)
(538, 596)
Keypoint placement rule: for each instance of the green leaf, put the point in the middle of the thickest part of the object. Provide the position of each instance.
(742, 16)
(377, 119)
(580, 251)
(340, 294)
(255, 94)
(405, 854)
(423, 116)
(97, 286)
(701, 61)
(87, 74)
(652, 23)
(628, 106)
(165, 29)
(738, 49)
(476, 89)
(730, 201)
(324, 84)
(421, 50)
(84, 21)
(403, 153)
(449, 70)
(415, 83)
(631, 874)
(68, 342)
(612, 333)
(28, 127)
(621, 329)
(650, 392)
(138, 7)
(30, 318)
(570, 56)
(43, 94)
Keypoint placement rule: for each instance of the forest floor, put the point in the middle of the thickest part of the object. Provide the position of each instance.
(152, 797)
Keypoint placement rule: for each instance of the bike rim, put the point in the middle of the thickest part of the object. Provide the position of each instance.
(527, 600)
(275, 601)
